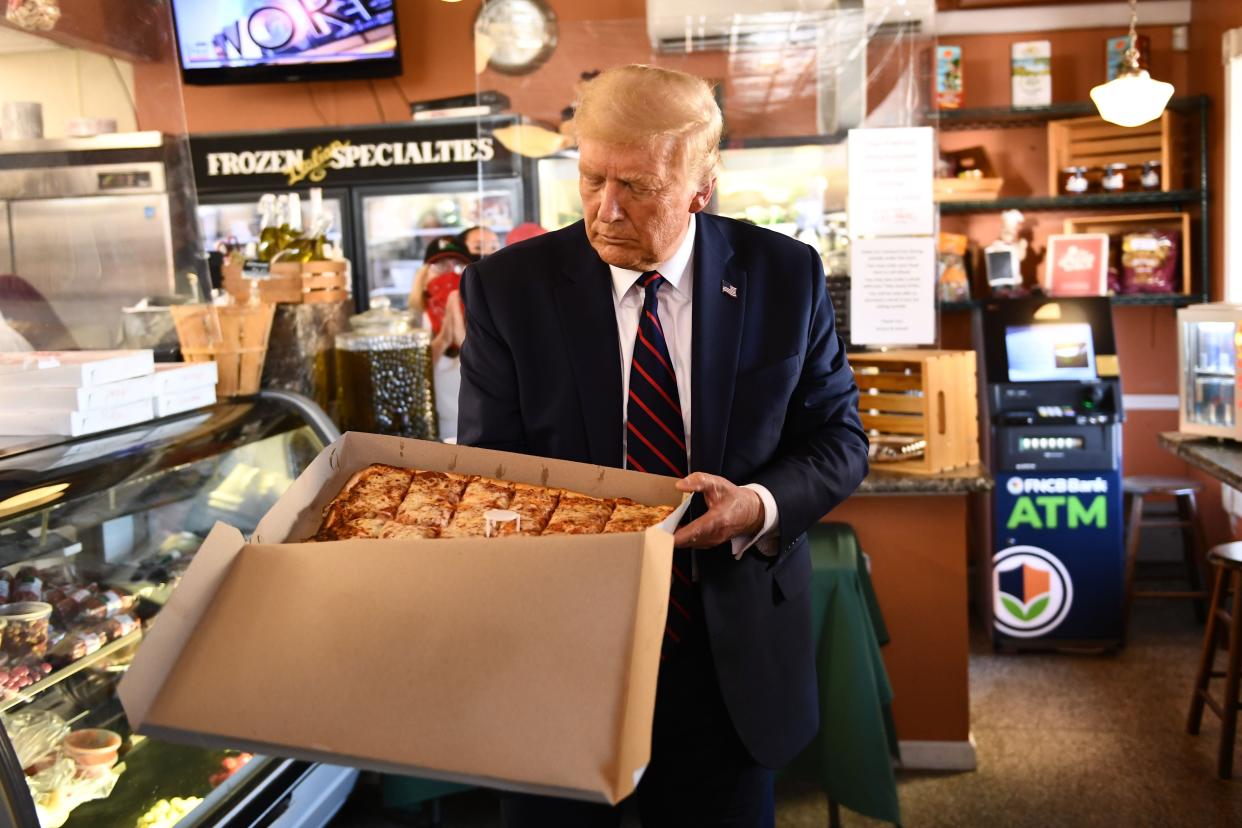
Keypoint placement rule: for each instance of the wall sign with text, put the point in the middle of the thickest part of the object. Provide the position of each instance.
(366, 155)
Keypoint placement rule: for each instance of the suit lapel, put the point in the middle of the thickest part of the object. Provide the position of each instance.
(717, 340)
(583, 296)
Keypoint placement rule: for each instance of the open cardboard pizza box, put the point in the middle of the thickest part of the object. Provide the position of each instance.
(526, 663)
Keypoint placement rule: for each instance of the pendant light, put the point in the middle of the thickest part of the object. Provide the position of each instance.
(1132, 98)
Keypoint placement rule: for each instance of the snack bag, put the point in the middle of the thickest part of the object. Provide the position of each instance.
(1149, 261)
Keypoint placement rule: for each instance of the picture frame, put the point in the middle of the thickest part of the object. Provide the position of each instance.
(1076, 264)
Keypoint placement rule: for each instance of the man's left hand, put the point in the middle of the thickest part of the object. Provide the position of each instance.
(732, 511)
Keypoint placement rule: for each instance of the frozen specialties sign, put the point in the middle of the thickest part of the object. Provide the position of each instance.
(347, 156)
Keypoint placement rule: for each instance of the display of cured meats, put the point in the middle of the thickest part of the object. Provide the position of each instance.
(388, 502)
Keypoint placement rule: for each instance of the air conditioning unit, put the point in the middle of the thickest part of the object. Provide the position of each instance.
(680, 26)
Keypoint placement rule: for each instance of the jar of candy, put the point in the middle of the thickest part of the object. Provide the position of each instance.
(1074, 180)
(383, 375)
(1150, 179)
(1114, 180)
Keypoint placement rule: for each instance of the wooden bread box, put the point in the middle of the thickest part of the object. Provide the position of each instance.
(295, 282)
(920, 395)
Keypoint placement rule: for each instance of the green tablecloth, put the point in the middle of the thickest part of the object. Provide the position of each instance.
(851, 757)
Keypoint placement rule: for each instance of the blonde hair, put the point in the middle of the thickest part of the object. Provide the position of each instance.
(639, 104)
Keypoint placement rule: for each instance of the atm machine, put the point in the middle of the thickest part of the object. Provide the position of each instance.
(1054, 398)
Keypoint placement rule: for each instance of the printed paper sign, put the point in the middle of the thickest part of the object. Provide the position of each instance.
(892, 288)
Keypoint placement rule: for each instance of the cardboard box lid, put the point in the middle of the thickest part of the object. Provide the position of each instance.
(521, 663)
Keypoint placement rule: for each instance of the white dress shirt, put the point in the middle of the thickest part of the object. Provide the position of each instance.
(675, 305)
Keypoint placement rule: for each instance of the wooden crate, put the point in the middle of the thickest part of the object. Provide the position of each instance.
(296, 282)
(1093, 142)
(1118, 226)
(921, 395)
(967, 189)
(235, 337)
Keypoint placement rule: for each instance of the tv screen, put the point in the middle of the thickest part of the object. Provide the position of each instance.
(250, 41)
(1052, 351)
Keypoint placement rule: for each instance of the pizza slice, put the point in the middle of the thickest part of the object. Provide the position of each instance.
(376, 491)
(534, 506)
(396, 530)
(431, 499)
(635, 517)
(482, 495)
(579, 514)
(355, 529)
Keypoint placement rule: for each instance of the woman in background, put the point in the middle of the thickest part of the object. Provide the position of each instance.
(435, 303)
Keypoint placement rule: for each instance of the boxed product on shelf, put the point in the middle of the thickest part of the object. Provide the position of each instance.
(1031, 73)
(527, 663)
(188, 399)
(78, 397)
(35, 422)
(172, 377)
(949, 77)
(72, 368)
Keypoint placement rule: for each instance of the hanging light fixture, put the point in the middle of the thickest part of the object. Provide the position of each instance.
(1132, 98)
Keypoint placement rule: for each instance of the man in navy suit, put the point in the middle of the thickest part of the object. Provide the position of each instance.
(656, 337)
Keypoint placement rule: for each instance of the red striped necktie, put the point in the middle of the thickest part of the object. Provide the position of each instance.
(656, 435)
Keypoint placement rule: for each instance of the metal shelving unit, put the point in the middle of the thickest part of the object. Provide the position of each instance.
(1181, 200)
(1177, 300)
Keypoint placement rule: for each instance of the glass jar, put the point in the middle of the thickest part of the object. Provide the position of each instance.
(1074, 180)
(383, 375)
(1114, 180)
(1150, 178)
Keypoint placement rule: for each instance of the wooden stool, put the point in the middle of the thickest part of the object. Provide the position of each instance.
(1138, 489)
(1228, 561)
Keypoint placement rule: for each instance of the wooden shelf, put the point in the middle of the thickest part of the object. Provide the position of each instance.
(1079, 202)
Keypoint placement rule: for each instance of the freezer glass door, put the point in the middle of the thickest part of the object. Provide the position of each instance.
(1210, 350)
(228, 226)
(397, 226)
(95, 535)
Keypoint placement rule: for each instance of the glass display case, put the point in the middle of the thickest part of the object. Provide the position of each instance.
(1208, 352)
(95, 534)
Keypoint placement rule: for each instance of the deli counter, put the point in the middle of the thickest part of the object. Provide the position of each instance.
(95, 534)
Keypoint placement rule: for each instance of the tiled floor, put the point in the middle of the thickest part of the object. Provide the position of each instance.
(1063, 740)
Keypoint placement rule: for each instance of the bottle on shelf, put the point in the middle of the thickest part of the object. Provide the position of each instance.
(269, 229)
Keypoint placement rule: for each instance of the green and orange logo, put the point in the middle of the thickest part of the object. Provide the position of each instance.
(1031, 591)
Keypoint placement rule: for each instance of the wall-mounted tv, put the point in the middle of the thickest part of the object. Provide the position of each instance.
(260, 41)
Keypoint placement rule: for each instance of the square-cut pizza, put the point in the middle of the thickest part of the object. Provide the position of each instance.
(534, 506)
(376, 491)
(482, 495)
(355, 529)
(635, 517)
(396, 530)
(579, 514)
(431, 499)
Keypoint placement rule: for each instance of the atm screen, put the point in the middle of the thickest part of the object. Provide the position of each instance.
(1046, 352)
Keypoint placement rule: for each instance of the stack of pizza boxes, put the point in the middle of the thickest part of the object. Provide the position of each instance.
(432, 610)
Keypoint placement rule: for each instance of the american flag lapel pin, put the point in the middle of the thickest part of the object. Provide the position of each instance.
(728, 290)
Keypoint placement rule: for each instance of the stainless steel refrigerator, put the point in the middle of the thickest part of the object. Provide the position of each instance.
(87, 223)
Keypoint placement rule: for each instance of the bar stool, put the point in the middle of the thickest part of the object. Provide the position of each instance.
(1138, 489)
(1228, 561)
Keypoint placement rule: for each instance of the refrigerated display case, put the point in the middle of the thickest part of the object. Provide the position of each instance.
(1208, 343)
(396, 224)
(99, 531)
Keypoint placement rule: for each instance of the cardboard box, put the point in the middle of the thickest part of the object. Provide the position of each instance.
(30, 422)
(1031, 72)
(76, 368)
(949, 77)
(171, 377)
(77, 398)
(521, 663)
(178, 402)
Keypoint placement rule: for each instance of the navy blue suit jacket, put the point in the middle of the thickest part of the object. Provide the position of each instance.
(773, 402)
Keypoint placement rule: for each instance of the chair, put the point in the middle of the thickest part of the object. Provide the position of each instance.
(1227, 558)
(1138, 490)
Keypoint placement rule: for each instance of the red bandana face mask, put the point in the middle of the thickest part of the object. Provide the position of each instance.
(439, 288)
